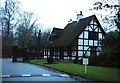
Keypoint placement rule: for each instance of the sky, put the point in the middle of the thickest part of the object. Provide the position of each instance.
(56, 13)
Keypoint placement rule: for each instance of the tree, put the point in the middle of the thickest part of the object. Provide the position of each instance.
(25, 31)
(117, 21)
(111, 48)
(39, 40)
(8, 15)
(9, 10)
(110, 43)
(110, 6)
(45, 37)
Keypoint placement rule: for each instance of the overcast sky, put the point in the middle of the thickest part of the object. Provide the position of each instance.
(56, 13)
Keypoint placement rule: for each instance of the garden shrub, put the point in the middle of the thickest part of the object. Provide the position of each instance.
(104, 60)
(93, 60)
(75, 61)
(50, 59)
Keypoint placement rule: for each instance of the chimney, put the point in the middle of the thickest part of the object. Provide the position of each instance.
(79, 16)
(70, 21)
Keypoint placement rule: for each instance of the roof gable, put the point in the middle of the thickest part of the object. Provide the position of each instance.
(57, 31)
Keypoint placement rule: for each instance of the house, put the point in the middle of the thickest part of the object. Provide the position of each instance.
(78, 39)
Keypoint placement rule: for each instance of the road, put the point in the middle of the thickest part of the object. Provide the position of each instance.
(17, 71)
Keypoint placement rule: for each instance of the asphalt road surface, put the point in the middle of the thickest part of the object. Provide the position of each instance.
(18, 71)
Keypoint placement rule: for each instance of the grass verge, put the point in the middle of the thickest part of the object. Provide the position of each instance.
(94, 72)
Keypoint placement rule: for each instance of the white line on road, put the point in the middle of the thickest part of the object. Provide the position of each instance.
(32, 75)
(4, 76)
(64, 75)
(46, 75)
(24, 75)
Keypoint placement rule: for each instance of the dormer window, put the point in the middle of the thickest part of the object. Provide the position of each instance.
(51, 42)
(53, 37)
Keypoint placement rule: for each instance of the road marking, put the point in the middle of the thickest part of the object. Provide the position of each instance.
(64, 75)
(46, 75)
(4, 76)
(25, 75)
(34, 75)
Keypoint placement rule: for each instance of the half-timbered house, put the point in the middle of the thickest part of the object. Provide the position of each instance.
(78, 39)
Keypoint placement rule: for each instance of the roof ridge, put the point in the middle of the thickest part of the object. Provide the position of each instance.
(57, 28)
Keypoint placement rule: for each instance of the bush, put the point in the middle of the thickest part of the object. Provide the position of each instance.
(75, 61)
(104, 60)
(50, 60)
(93, 60)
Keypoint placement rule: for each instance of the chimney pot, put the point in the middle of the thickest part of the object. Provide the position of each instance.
(79, 16)
(70, 21)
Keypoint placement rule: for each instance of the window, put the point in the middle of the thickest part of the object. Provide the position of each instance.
(53, 38)
(85, 34)
(93, 35)
(85, 42)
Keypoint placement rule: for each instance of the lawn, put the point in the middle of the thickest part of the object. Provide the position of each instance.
(94, 72)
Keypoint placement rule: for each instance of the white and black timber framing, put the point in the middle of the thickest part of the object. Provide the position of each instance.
(86, 43)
